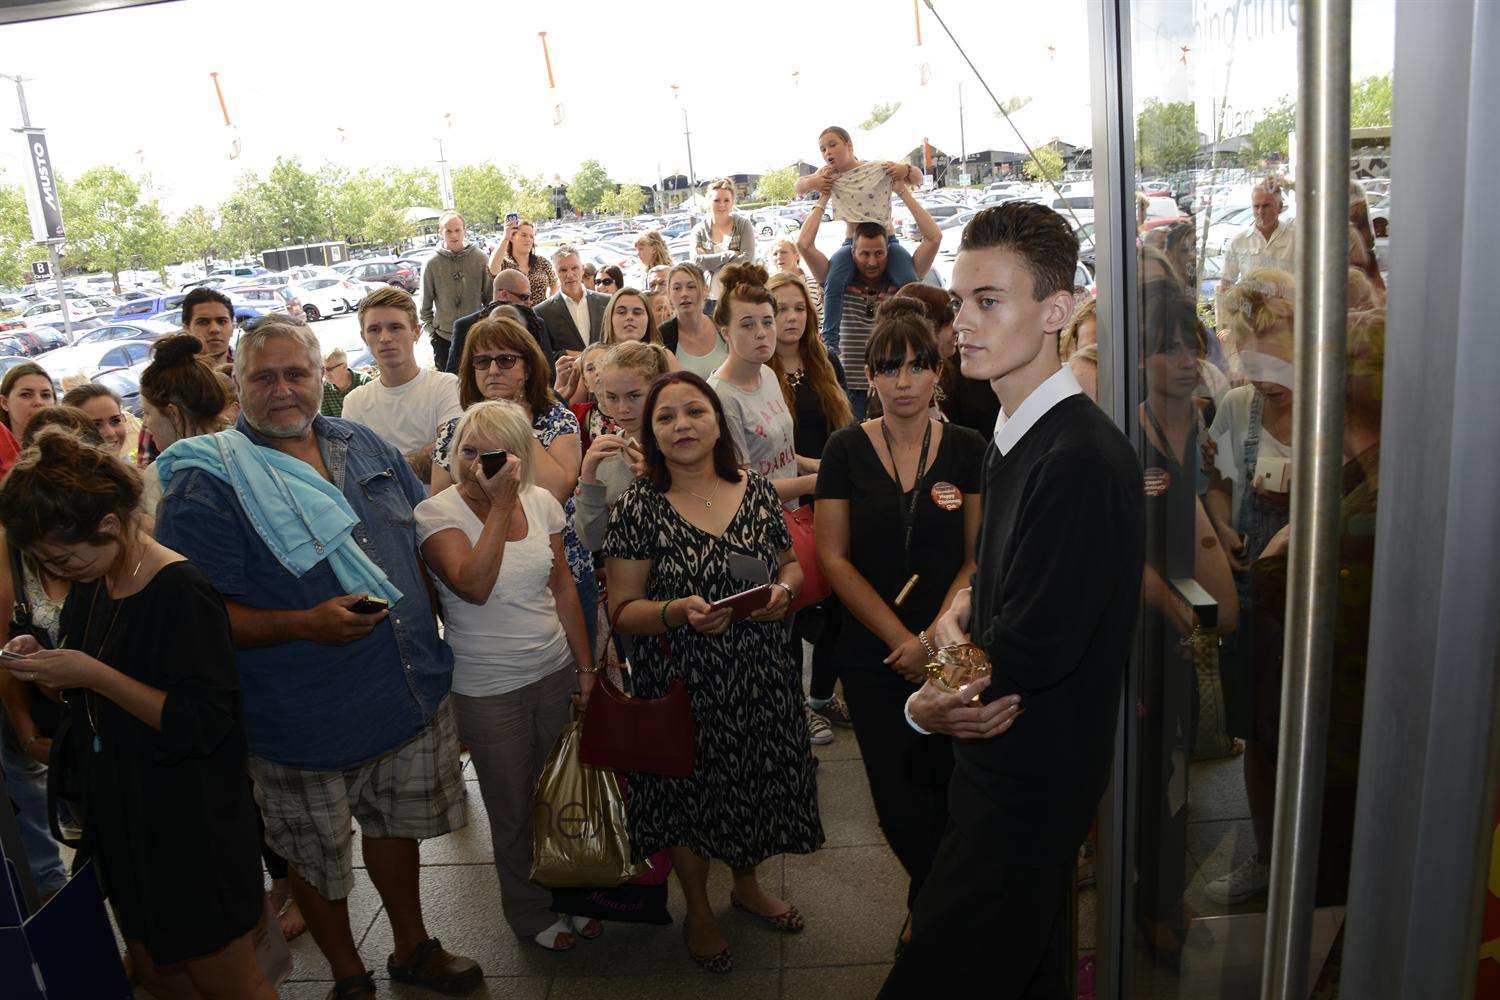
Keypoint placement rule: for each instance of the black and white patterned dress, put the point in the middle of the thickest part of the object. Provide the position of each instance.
(753, 791)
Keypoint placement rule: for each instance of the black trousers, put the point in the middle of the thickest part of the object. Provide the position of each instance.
(825, 668)
(908, 772)
(985, 929)
(440, 352)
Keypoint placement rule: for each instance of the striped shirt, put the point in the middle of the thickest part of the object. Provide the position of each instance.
(855, 327)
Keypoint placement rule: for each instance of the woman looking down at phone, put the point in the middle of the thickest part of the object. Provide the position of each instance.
(695, 530)
(494, 543)
(157, 738)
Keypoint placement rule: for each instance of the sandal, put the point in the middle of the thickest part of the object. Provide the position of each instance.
(360, 987)
(581, 926)
(288, 914)
(719, 963)
(787, 922)
(548, 938)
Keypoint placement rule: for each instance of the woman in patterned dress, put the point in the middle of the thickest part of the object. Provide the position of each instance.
(676, 538)
(517, 250)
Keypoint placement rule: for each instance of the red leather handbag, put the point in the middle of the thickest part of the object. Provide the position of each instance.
(625, 733)
(815, 586)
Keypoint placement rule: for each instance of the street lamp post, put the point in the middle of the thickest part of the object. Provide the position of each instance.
(52, 253)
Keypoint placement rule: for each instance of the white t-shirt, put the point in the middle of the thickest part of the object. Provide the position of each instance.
(761, 425)
(516, 637)
(407, 416)
(1231, 427)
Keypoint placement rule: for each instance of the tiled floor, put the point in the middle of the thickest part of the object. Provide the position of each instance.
(852, 894)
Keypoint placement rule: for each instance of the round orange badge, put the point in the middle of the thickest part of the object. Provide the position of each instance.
(946, 496)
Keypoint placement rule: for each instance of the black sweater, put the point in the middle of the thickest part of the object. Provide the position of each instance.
(1056, 597)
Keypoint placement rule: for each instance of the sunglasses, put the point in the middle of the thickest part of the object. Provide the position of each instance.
(506, 362)
(330, 369)
(604, 281)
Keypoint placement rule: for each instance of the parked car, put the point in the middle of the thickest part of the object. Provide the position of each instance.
(90, 359)
(144, 329)
(32, 340)
(256, 300)
(9, 361)
(125, 383)
(237, 271)
(148, 308)
(78, 324)
(388, 272)
(323, 297)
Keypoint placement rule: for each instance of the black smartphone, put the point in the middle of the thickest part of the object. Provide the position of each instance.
(512, 217)
(369, 605)
(491, 462)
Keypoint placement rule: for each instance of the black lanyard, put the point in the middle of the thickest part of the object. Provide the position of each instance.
(908, 512)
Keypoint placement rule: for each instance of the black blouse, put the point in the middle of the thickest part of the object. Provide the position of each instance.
(167, 815)
(811, 426)
(852, 471)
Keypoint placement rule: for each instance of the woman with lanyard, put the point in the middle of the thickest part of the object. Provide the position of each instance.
(908, 469)
(1180, 545)
(812, 383)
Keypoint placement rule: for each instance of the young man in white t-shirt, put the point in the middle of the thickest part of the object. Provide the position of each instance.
(407, 404)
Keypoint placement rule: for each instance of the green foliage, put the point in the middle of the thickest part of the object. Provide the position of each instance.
(1166, 136)
(1268, 138)
(1047, 164)
(193, 236)
(110, 220)
(1370, 102)
(778, 185)
(880, 114)
(626, 200)
(1011, 105)
(481, 192)
(533, 198)
(588, 187)
(17, 250)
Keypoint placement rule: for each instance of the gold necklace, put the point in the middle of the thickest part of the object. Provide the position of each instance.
(794, 379)
(708, 501)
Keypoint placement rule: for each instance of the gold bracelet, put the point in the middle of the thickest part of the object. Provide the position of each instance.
(927, 644)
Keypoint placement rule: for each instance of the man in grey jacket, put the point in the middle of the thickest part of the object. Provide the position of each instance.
(575, 315)
(455, 283)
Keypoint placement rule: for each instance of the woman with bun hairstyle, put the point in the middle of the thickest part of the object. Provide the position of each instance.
(181, 397)
(25, 389)
(897, 519)
(157, 737)
(759, 420)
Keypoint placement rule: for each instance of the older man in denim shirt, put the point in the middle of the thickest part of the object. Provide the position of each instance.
(346, 712)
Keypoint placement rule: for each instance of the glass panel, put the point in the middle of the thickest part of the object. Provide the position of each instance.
(1209, 359)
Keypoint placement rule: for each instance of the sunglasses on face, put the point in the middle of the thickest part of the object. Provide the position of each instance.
(604, 281)
(506, 362)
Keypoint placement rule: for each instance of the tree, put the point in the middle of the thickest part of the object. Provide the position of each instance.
(533, 198)
(1268, 137)
(1011, 105)
(481, 192)
(1047, 164)
(777, 185)
(1166, 136)
(17, 249)
(194, 236)
(291, 197)
(1370, 102)
(112, 220)
(879, 115)
(588, 187)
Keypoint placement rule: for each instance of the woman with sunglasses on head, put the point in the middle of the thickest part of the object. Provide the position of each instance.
(501, 360)
(694, 530)
(908, 475)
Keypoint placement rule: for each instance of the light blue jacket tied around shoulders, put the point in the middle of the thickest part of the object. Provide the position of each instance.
(302, 517)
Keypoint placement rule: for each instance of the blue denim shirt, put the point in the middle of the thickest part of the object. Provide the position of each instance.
(309, 706)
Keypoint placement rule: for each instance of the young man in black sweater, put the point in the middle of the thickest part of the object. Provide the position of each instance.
(1054, 604)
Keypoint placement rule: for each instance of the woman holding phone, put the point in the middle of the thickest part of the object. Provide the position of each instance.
(517, 250)
(511, 613)
(897, 518)
(696, 529)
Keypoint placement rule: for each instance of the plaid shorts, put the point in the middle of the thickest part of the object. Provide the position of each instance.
(415, 791)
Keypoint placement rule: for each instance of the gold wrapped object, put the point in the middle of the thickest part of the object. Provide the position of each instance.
(579, 833)
(958, 665)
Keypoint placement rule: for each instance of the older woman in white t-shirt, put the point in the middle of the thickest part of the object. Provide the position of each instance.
(512, 616)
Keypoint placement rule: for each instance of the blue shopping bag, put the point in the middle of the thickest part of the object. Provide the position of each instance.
(64, 950)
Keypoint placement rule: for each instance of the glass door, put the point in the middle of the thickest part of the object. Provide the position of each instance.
(1206, 368)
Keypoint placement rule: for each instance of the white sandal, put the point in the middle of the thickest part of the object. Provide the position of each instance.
(548, 938)
(580, 926)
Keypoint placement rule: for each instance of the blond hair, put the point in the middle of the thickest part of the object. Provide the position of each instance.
(660, 252)
(638, 357)
(389, 297)
(504, 423)
(1067, 343)
(1261, 304)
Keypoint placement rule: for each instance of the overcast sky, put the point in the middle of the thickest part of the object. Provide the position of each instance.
(758, 80)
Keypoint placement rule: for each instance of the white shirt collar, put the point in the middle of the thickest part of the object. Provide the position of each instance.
(1010, 429)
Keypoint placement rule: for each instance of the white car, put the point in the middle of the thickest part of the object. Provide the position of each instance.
(89, 360)
(324, 297)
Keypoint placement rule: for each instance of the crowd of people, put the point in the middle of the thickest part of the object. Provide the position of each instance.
(310, 588)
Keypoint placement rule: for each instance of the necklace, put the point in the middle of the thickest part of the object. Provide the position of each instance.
(794, 379)
(90, 710)
(708, 501)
